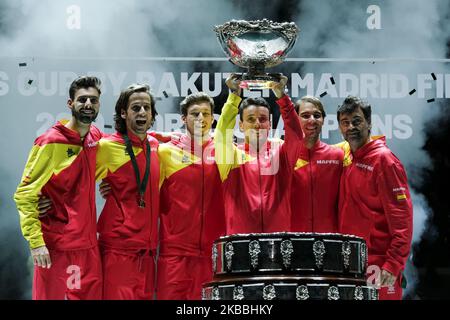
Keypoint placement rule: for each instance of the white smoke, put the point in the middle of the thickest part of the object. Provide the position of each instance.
(120, 28)
(421, 213)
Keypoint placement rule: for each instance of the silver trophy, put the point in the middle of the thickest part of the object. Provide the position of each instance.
(256, 45)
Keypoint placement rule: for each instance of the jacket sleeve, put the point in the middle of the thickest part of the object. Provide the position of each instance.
(162, 167)
(102, 161)
(38, 171)
(225, 150)
(395, 196)
(293, 133)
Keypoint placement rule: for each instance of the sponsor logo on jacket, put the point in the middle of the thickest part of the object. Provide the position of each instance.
(400, 193)
(364, 166)
(328, 162)
(70, 152)
(185, 159)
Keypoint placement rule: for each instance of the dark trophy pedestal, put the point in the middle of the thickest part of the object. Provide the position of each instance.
(289, 266)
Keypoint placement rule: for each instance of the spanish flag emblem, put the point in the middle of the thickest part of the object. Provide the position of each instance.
(401, 197)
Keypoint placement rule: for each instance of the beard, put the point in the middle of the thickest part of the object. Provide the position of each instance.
(355, 136)
(357, 139)
(84, 118)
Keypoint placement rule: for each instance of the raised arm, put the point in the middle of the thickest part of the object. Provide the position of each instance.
(225, 151)
(293, 133)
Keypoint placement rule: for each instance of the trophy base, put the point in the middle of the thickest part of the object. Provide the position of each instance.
(258, 82)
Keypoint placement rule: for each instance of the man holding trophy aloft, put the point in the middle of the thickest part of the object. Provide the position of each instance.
(256, 174)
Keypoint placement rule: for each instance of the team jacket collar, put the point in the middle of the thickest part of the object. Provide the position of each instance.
(377, 142)
(317, 146)
(72, 136)
(135, 140)
(186, 142)
(250, 150)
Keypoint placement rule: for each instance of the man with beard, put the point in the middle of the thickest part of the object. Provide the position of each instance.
(256, 174)
(374, 200)
(128, 162)
(61, 166)
(192, 214)
(317, 172)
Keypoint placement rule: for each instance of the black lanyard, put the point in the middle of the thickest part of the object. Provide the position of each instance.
(141, 185)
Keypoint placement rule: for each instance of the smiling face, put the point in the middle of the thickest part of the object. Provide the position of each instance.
(311, 120)
(85, 105)
(138, 115)
(199, 119)
(255, 124)
(355, 128)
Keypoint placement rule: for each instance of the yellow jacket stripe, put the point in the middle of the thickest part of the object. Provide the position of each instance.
(43, 162)
(227, 155)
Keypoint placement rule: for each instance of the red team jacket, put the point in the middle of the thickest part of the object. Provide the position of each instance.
(315, 188)
(192, 208)
(379, 206)
(61, 167)
(122, 223)
(257, 185)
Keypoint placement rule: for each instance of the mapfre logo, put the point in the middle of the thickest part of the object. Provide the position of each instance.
(364, 166)
(335, 162)
(92, 144)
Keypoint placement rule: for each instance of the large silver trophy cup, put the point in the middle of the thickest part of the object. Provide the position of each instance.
(256, 45)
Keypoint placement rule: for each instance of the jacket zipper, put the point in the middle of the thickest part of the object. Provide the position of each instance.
(202, 199)
(86, 159)
(260, 192)
(150, 190)
(311, 189)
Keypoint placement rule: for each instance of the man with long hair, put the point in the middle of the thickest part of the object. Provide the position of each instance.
(127, 160)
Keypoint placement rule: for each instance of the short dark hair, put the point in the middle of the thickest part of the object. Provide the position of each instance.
(195, 98)
(311, 99)
(257, 101)
(84, 82)
(122, 104)
(351, 104)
